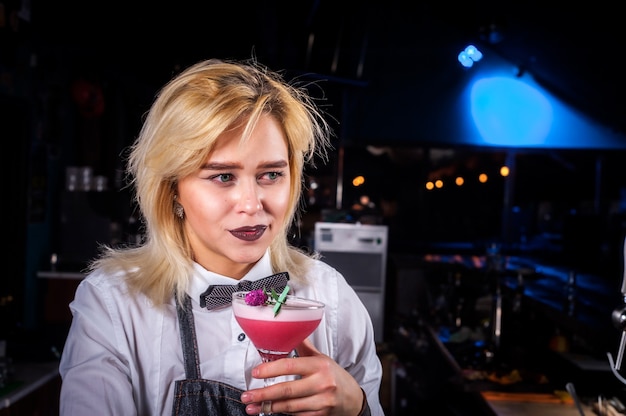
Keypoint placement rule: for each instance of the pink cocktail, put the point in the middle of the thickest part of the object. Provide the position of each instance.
(275, 336)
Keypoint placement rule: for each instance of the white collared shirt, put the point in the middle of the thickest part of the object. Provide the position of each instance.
(122, 355)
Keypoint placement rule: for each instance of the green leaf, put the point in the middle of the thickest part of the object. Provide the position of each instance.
(279, 299)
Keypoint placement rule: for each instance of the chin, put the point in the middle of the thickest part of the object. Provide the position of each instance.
(248, 256)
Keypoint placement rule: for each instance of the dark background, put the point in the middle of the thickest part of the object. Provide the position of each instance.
(575, 50)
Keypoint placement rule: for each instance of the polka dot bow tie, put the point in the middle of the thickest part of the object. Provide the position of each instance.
(218, 296)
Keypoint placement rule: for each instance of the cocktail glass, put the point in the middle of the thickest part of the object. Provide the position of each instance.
(276, 335)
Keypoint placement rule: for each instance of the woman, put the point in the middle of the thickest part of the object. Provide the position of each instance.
(218, 172)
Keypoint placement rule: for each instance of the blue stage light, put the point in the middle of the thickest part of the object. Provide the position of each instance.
(509, 112)
(469, 55)
(465, 60)
(473, 53)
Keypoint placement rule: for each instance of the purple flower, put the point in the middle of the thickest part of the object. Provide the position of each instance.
(256, 297)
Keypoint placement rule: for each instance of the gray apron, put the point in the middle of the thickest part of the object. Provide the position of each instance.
(195, 395)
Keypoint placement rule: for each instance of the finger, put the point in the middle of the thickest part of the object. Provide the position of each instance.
(282, 367)
(303, 366)
(309, 406)
(290, 404)
(279, 391)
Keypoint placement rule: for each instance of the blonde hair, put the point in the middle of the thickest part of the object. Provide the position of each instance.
(189, 114)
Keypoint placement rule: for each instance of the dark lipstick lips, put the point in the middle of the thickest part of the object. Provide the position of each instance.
(249, 233)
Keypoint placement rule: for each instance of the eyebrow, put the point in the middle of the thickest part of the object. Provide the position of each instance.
(229, 166)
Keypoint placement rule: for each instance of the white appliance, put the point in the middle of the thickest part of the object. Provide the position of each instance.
(359, 252)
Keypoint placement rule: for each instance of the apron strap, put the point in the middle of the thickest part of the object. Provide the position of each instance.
(188, 338)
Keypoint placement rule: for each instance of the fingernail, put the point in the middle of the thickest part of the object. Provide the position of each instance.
(245, 397)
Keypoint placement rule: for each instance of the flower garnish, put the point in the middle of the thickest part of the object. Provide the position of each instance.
(267, 297)
(256, 297)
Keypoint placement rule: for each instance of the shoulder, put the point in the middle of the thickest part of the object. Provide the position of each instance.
(323, 282)
(109, 290)
(99, 280)
(320, 270)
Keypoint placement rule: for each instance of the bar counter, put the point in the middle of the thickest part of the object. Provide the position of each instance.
(442, 336)
(33, 389)
(584, 305)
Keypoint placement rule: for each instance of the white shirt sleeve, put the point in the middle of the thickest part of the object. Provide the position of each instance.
(357, 348)
(349, 331)
(94, 368)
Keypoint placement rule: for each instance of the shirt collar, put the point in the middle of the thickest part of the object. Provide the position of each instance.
(202, 278)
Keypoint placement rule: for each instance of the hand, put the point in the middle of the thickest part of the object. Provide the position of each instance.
(323, 389)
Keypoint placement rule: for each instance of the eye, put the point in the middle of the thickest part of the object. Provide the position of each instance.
(271, 176)
(222, 177)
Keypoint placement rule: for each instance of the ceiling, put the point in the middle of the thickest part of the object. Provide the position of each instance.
(573, 49)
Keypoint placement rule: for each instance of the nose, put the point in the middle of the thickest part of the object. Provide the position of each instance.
(249, 199)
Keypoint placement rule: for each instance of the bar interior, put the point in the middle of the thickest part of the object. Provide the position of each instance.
(474, 198)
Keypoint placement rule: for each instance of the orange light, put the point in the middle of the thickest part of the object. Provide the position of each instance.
(504, 171)
(358, 180)
(459, 181)
(482, 178)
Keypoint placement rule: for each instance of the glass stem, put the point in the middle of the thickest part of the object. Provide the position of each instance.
(268, 381)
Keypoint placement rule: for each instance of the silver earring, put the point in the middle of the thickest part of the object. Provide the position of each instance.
(179, 210)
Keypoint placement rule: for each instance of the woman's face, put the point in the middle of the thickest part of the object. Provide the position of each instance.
(237, 202)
